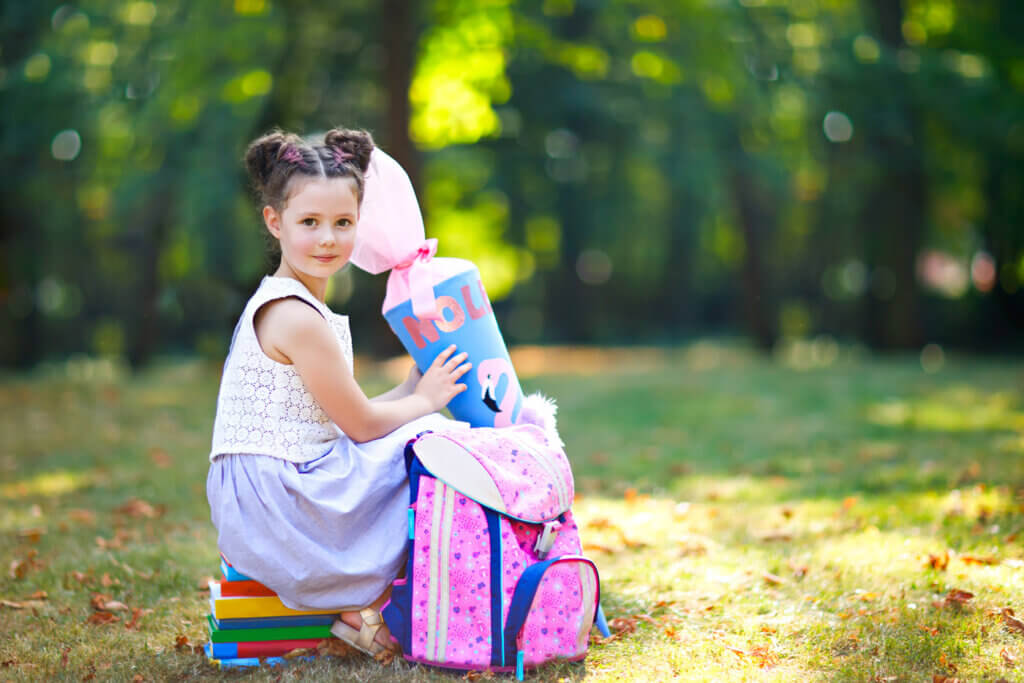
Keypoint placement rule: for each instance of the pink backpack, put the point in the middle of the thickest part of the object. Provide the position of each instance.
(494, 578)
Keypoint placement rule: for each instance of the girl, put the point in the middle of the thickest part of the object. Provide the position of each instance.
(307, 483)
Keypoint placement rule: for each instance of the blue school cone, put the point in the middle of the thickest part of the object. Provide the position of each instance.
(493, 397)
(602, 624)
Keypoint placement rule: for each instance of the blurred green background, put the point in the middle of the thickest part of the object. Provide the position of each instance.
(621, 171)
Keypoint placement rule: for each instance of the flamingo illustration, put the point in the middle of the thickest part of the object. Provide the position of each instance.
(488, 373)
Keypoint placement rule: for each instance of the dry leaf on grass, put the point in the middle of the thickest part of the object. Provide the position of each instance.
(954, 597)
(1008, 659)
(333, 647)
(978, 559)
(19, 568)
(160, 457)
(300, 652)
(799, 570)
(80, 577)
(24, 604)
(103, 603)
(98, 618)
(136, 507)
(772, 579)
(137, 614)
(1011, 622)
(64, 657)
(82, 516)
(32, 535)
(774, 535)
(478, 676)
(940, 561)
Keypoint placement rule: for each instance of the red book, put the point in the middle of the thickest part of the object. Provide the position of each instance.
(265, 648)
(234, 589)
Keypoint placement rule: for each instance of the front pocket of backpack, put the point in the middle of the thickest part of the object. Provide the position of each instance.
(553, 609)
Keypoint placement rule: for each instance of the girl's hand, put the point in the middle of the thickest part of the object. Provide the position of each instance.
(438, 385)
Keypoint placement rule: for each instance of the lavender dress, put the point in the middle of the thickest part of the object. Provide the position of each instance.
(324, 523)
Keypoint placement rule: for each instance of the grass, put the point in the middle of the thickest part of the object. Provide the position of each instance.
(752, 519)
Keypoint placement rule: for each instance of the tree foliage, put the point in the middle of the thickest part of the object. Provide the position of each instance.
(620, 171)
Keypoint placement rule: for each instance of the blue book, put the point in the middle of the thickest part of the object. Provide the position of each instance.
(247, 662)
(229, 572)
(275, 622)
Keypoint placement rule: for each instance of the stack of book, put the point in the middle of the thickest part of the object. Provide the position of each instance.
(249, 625)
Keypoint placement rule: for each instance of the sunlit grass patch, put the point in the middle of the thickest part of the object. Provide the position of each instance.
(751, 521)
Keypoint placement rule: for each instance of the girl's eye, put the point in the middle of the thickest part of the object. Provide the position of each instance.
(309, 221)
(344, 222)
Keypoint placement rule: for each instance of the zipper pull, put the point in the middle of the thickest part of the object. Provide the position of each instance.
(546, 538)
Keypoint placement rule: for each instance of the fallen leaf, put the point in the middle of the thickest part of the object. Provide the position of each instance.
(600, 523)
(849, 502)
(38, 595)
(948, 664)
(799, 570)
(630, 495)
(83, 516)
(1008, 658)
(181, 643)
(300, 652)
(1012, 622)
(64, 657)
(775, 535)
(958, 597)
(136, 507)
(934, 630)
(32, 535)
(160, 458)
(103, 603)
(80, 577)
(786, 511)
(772, 579)
(978, 559)
(137, 614)
(333, 647)
(102, 618)
(622, 624)
(138, 678)
(24, 604)
(939, 562)
(939, 678)
(108, 582)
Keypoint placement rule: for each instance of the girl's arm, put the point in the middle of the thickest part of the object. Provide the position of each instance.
(292, 331)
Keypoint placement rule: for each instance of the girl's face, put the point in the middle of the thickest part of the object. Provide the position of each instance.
(316, 227)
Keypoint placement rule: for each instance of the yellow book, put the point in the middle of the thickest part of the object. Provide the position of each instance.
(246, 607)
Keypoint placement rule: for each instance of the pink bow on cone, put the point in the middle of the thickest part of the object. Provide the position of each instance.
(416, 271)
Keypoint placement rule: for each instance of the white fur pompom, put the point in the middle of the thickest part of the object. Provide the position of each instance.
(540, 410)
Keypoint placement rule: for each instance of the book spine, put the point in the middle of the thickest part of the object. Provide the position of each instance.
(255, 608)
(252, 589)
(274, 622)
(266, 648)
(252, 634)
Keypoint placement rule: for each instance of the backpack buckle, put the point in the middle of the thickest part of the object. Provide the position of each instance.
(546, 538)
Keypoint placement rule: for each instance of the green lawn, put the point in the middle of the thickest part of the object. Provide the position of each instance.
(751, 520)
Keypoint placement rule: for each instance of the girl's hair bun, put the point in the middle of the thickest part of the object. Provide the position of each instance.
(355, 143)
(263, 154)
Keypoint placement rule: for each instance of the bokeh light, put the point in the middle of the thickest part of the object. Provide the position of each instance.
(837, 126)
(66, 145)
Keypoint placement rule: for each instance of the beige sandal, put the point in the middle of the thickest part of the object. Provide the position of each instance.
(364, 639)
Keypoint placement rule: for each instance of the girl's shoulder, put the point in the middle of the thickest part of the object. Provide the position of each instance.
(272, 288)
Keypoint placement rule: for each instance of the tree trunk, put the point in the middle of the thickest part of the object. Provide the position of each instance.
(894, 214)
(400, 37)
(756, 223)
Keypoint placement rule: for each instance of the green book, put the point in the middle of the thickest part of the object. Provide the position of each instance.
(246, 635)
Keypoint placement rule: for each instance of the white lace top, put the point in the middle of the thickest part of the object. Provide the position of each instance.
(263, 406)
